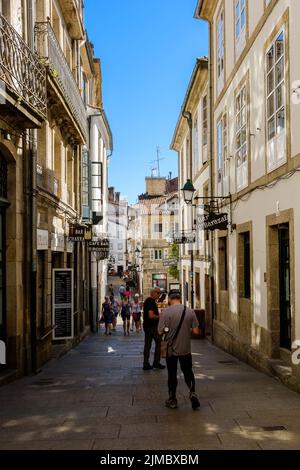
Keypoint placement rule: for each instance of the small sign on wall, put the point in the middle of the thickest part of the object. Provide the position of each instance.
(63, 304)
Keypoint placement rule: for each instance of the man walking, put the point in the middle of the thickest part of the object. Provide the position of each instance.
(151, 319)
(178, 322)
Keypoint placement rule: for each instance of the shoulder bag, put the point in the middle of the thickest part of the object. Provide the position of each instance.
(166, 347)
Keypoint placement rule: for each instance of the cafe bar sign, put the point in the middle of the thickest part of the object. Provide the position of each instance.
(213, 221)
(79, 233)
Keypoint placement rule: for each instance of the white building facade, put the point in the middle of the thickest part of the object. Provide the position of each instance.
(256, 159)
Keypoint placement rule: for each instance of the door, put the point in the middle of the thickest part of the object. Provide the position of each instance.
(2, 276)
(285, 287)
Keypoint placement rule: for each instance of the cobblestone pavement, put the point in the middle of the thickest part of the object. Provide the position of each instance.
(98, 397)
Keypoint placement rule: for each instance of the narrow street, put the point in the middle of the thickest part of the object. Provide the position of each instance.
(98, 397)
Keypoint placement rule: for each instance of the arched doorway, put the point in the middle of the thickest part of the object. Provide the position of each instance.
(3, 206)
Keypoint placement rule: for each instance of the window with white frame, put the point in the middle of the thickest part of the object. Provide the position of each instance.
(240, 26)
(220, 51)
(196, 146)
(222, 143)
(275, 70)
(166, 253)
(158, 255)
(241, 139)
(204, 121)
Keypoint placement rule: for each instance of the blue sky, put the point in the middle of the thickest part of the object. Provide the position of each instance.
(148, 50)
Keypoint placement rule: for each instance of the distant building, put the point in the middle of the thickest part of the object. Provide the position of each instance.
(158, 217)
(117, 229)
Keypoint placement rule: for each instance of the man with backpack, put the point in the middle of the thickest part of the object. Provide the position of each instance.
(177, 323)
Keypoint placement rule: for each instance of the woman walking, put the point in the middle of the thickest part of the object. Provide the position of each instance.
(115, 309)
(125, 314)
(136, 308)
(107, 315)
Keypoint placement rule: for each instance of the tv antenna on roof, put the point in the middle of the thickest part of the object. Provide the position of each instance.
(157, 161)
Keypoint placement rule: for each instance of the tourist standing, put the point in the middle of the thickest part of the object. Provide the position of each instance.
(136, 308)
(115, 310)
(150, 324)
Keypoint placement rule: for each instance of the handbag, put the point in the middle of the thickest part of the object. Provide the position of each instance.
(166, 347)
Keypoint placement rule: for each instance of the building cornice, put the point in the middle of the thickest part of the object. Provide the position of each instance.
(197, 84)
(205, 9)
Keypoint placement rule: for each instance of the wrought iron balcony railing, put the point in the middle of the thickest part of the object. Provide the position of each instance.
(21, 70)
(53, 56)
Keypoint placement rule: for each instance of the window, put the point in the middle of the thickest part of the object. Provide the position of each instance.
(220, 51)
(223, 266)
(196, 146)
(244, 264)
(166, 253)
(223, 177)
(188, 156)
(120, 246)
(197, 286)
(247, 266)
(275, 70)
(158, 228)
(204, 121)
(120, 257)
(240, 26)
(96, 186)
(158, 255)
(241, 139)
(85, 178)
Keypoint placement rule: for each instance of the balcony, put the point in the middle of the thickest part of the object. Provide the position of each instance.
(64, 97)
(73, 14)
(23, 94)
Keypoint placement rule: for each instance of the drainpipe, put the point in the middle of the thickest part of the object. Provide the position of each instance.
(188, 116)
(211, 175)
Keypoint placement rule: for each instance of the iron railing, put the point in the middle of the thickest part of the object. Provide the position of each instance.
(49, 49)
(21, 70)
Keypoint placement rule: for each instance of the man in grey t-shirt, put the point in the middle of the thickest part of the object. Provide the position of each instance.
(170, 320)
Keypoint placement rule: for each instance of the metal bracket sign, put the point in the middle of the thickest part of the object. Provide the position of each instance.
(63, 304)
(212, 222)
(100, 247)
(183, 238)
(170, 262)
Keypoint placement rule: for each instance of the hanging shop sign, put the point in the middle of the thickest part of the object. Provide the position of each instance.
(170, 262)
(183, 238)
(42, 240)
(76, 233)
(213, 221)
(100, 248)
(63, 304)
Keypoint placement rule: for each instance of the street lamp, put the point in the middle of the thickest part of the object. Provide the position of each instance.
(188, 192)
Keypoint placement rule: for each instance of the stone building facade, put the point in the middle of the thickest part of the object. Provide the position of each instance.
(158, 214)
(255, 158)
(46, 173)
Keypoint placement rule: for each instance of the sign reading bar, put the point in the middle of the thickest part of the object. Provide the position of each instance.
(213, 222)
(63, 319)
(76, 233)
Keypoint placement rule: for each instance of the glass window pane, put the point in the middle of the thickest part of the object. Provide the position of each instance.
(96, 181)
(271, 129)
(279, 71)
(238, 28)
(279, 97)
(270, 106)
(270, 81)
(280, 121)
(279, 45)
(270, 59)
(243, 19)
(96, 193)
